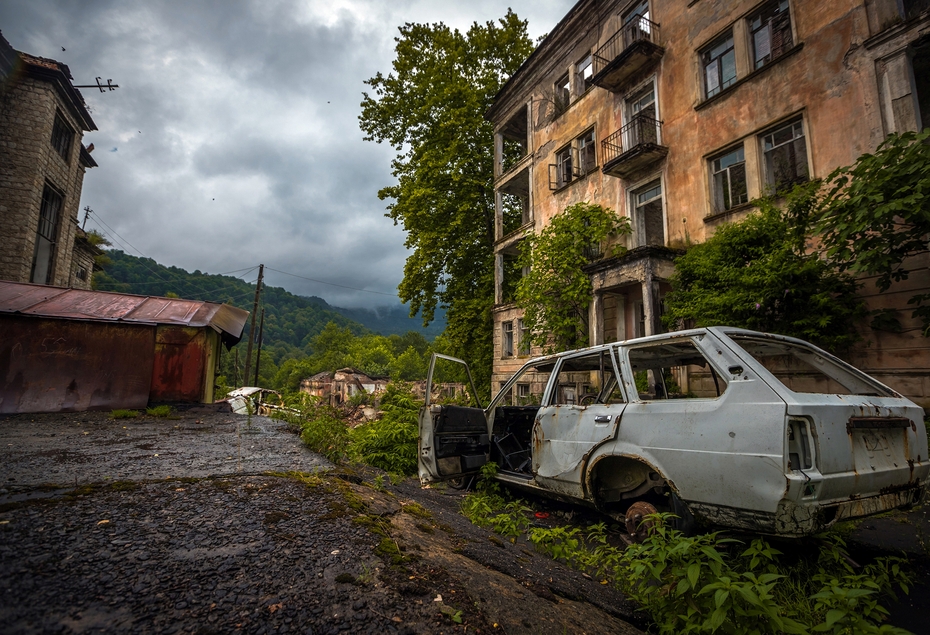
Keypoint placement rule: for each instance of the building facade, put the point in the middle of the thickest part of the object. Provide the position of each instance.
(42, 165)
(676, 114)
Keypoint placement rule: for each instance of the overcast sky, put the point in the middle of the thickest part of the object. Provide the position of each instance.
(233, 138)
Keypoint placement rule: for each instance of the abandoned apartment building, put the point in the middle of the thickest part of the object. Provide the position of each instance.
(677, 114)
(42, 165)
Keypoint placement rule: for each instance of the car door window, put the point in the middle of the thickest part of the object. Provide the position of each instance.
(587, 380)
(675, 369)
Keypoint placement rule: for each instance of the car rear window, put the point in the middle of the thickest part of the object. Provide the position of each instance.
(803, 369)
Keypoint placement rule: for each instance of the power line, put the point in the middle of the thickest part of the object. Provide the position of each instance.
(332, 284)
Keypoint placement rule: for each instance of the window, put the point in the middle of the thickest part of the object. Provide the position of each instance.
(563, 93)
(523, 395)
(641, 113)
(674, 370)
(636, 24)
(81, 273)
(913, 8)
(512, 272)
(587, 380)
(586, 156)
(719, 64)
(785, 156)
(62, 135)
(563, 163)
(584, 71)
(507, 339)
(46, 236)
(729, 180)
(770, 30)
(525, 341)
(648, 218)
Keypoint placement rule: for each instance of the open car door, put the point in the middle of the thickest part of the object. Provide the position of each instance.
(454, 440)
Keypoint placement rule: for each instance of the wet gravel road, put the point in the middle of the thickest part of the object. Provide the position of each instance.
(191, 525)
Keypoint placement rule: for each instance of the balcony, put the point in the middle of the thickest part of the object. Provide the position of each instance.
(633, 148)
(632, 49)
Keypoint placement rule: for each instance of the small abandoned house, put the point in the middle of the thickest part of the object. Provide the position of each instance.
(342, 385)
(66, 350)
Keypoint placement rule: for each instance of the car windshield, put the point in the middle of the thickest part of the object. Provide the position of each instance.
(805, 370)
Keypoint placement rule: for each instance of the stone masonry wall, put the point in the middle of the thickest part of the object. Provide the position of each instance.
(27, 162)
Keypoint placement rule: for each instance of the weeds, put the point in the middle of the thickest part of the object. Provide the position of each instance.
(159, 411)
(390, 443)
(123, 414)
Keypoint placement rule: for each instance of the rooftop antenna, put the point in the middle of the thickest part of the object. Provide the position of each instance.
(103, 87)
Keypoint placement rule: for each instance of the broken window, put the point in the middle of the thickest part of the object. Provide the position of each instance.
(719, 62)
(785, 155)
(913, 8)
(574, 161)
(636, 24)
(729, 180)
(514, 201)
(584, 71)
(46, 236)
(62, 137)
(563, 167)
(921, 68)
(586, 380)
(586, 157)
(507, 339)
(643, 126)
(648, 216)
(512, 272)
(674, 370)
(803, 369)
(562, 93)
(525, 338)
(770, 30)
(514, 142)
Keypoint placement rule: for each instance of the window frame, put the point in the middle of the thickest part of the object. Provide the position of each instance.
(562, 92)
(524, 343)
(707, 60)
(584, 71)
(716, 198)
(769, 171)
(507, 336)
(47, 230)
(767, 16)
(637, 217)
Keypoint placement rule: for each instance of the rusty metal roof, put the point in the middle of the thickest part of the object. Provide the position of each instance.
(104, 306)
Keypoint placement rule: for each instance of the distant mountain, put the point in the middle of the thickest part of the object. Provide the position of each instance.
(395, 319)
(289, 319)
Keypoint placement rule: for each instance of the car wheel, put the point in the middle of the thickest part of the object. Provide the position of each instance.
(461, 482)
(684, 519)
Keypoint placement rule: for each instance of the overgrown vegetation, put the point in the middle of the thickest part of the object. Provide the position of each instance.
(162, 411)
(122, 413)
(873, 214)
(388, 443)
(759, 274)
(556, 292)
(713, 583)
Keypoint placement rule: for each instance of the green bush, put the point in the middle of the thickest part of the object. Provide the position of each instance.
(390, 443)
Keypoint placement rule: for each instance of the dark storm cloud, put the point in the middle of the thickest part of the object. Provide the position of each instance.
(236, 131)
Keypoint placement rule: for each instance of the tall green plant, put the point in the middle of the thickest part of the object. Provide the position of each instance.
(758, 273)
(556, 292)
(390, 443)
(875, 214)
(430, 109)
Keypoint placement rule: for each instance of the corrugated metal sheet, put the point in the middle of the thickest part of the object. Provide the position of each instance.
(58, 365)
(76, 304)
(179, 367)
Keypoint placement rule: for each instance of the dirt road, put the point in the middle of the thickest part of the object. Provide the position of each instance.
(192, 525)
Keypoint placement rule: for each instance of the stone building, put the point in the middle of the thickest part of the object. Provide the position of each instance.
(678, 113)
(42, 164)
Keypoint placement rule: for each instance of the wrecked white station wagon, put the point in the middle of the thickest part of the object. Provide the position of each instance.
(722, 426)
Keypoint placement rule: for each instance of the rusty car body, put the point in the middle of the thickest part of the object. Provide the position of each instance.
(723, 427)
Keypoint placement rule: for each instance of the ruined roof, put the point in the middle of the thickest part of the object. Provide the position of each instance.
(15, 64)
(38, 300)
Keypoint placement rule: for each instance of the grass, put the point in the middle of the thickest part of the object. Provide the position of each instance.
(159, 411)
(121, 413)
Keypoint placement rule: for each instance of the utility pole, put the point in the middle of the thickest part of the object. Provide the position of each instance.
(258, 290)
(236, 369)
(87, 211)
(258, 355)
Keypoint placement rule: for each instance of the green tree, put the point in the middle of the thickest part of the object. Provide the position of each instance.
(430, 109)
(331, 347)
(408, 366)
(556, 293)
(875, 213)
(759, 274)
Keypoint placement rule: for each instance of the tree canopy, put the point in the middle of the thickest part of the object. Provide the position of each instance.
(556, 292)
(430, 109)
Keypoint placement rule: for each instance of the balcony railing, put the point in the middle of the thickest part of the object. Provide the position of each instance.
(633, 147)
(629, 50)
